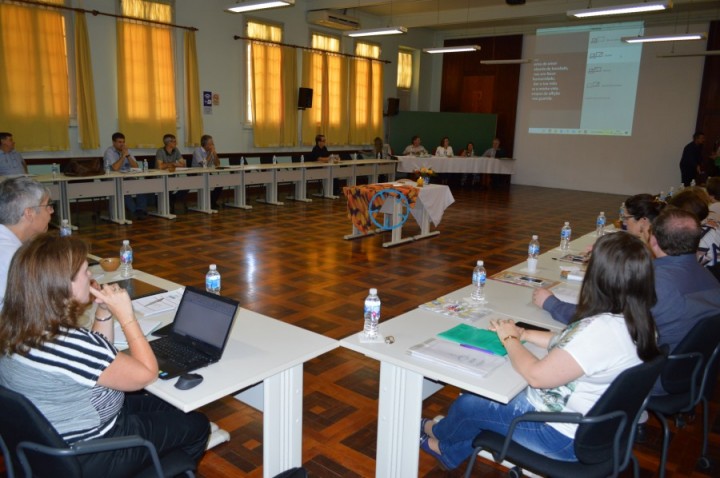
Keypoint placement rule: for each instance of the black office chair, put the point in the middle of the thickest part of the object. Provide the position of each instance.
(298, 472)
(689, 378)
(604, 437)
(40, 452)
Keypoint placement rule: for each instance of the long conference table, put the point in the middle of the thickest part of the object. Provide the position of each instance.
(264, 355)
(457, 164)
(116, 185)
(405, 380)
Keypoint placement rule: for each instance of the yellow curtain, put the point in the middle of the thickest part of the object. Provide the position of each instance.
(34, 98)
(146, 75)
(327, 75)
(274, 84)
(194, 126)
(366, 95)
(86, 111)
(404, 72)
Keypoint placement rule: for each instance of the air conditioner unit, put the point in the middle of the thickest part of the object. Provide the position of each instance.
(332, 19)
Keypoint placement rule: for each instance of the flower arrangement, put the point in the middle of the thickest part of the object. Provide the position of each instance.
(424, 176)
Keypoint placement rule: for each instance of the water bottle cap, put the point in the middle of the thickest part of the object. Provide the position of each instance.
(126, 242)
(534, 237)
(64, 222)
(213, 267)
(602, 213)
(480, 263)
(373, 291)
(567, 223)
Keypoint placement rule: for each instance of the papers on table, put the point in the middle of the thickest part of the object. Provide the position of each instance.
(524, 280)
(483, 340)
(456, 356)
(566, 293)
(158, 303)
(461, 309)
(146, 325)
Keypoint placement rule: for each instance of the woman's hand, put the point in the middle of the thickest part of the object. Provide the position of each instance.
(506, 328)
(115, 298)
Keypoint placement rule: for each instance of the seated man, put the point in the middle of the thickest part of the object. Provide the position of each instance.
(169, 157)
(204, 156)
(496, 151)
(686, 291)
(414, 148)
(25, 211)
(118, 158)
(319, 151)
(11, 162)
(695, 200)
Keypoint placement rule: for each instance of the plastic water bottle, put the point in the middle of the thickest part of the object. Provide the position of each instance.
(302, 158)
(478, 279)
(145, 166)
(212, 280)
(622, 216)
(692, 183)
(55, 170)
(534, 247)
(600, 224)
(671, 193)
(126, 259)
(65, 229)
(565, 235)
(372, 314)
(107, 169)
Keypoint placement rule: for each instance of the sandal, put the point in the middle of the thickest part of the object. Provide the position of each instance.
(425, 446)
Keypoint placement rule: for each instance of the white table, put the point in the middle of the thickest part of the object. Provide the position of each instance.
(261, 350)
(402, 376)
(430, 206)
(457, 164)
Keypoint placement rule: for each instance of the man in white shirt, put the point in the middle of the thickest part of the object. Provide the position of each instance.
(25, 211)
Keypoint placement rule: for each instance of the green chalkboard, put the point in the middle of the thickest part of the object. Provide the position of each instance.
(461, 128)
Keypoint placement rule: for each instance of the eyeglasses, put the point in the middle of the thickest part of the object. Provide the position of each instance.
(49, 205)
(627, 218)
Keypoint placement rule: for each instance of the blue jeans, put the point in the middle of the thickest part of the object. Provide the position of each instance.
(470, 414)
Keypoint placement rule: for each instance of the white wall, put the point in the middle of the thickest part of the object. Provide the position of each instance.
(647, 161)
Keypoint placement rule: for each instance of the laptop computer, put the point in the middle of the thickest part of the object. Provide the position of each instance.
(199, 333)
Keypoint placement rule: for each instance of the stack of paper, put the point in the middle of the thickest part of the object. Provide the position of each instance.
(147, 326)
(457, 357)
(158, 303)
(461, 309)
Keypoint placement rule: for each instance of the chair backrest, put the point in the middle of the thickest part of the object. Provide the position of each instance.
(21, 421)
(627, 394)
(679, 376)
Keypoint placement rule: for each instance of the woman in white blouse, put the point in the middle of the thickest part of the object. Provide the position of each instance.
(444, 149)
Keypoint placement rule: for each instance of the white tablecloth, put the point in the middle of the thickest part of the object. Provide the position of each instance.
(457, 164)
(433, 198)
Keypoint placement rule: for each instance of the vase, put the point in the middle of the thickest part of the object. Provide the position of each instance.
(426, 179)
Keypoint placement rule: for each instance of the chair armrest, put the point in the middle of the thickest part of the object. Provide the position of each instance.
(91, 446)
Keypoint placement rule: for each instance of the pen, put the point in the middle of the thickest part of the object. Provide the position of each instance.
(154, 302)
(472, 347)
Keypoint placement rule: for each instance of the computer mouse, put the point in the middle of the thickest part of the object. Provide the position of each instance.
(188, 381)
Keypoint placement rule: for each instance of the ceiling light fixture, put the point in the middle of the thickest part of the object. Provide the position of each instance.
(662, 38)
(621, 9)
(370, 32)
(452, 49)
(516, 61)
(252, 5)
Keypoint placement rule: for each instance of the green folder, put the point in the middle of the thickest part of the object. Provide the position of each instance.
(483, 339)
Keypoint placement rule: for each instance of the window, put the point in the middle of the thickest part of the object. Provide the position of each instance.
(326, 74)
(34, 95)
(366, 90)
(405, 67)
(146, 73)
(267, 59)
(271, 83)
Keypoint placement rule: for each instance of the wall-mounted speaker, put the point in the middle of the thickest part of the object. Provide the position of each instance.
(305, 98)
(393, 106)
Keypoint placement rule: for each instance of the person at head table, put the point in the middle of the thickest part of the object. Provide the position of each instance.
(25, 211)
(204, 156)
(469, 151)
(611, 331)
(415, 147)
(118, 158)
(380, 149)
(444, 149)
(319, 151)
(73, 373)
(11, 162)
(496, 151)
(168, 158)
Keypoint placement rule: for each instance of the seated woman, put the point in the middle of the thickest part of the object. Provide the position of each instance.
(319, 151)
(415, 148)
(74, 375)
(444, 149)
(469, 151)
(612, 330)
(640, 211)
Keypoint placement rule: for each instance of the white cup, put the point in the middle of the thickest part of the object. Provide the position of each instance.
(532, 264)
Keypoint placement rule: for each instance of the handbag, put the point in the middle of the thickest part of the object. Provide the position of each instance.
(84, 167)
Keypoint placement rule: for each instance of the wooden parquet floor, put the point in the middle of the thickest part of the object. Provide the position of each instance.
(291, 263)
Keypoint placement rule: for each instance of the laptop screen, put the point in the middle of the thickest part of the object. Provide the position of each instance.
(205, 317)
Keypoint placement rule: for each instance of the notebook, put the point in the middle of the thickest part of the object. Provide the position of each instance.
(199, 333)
